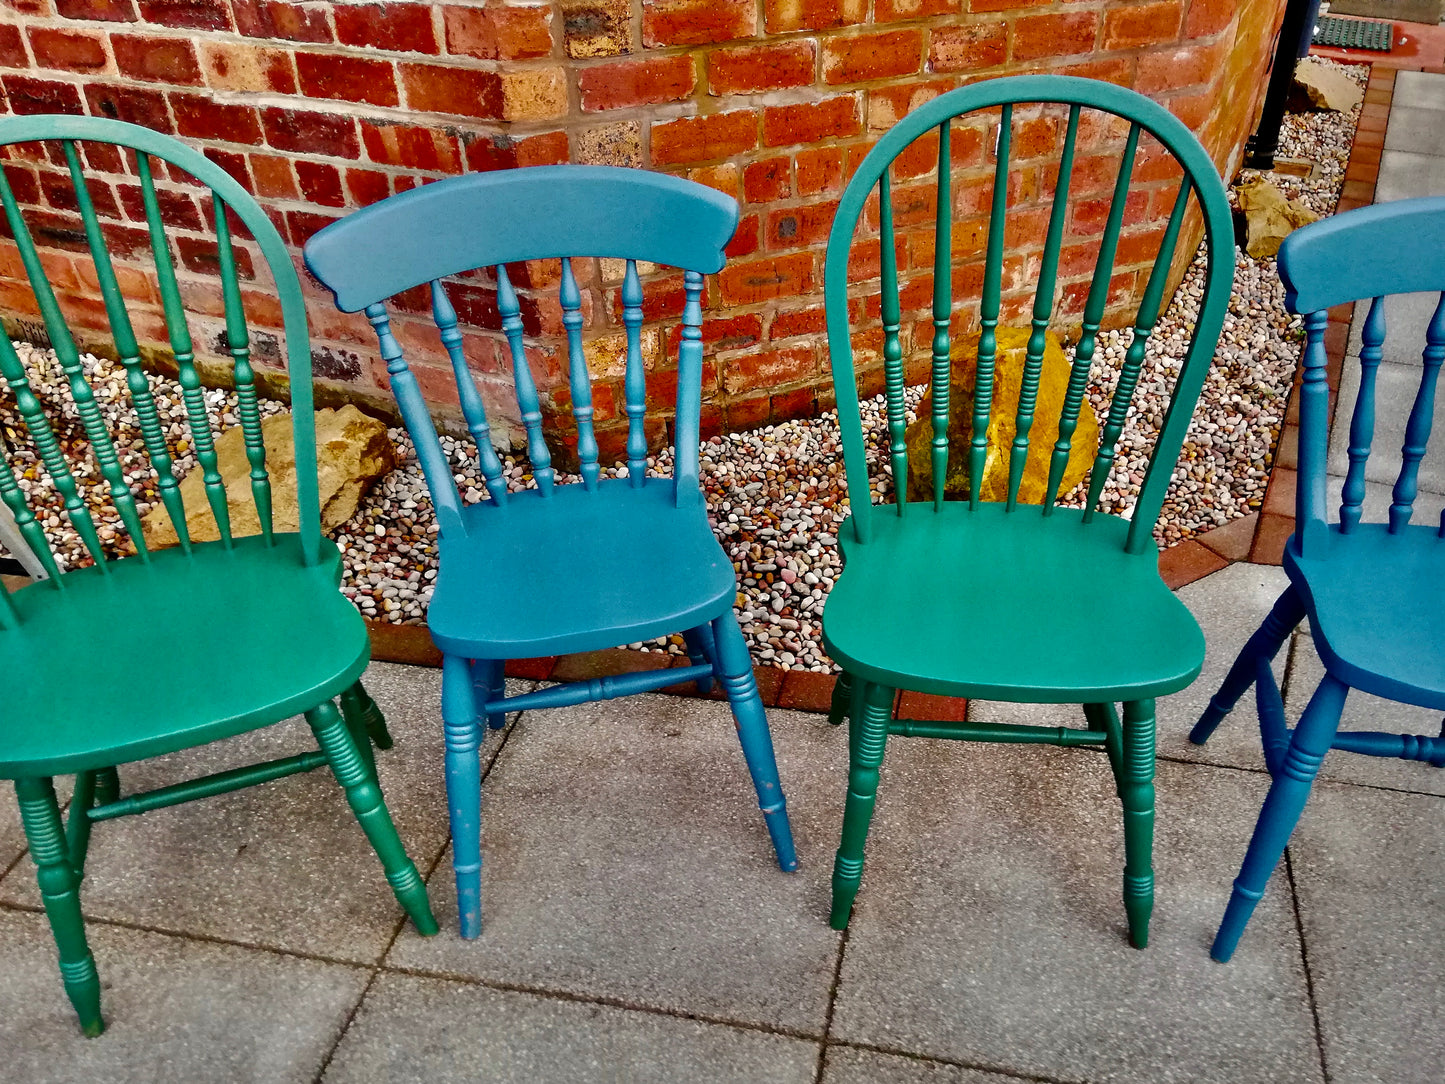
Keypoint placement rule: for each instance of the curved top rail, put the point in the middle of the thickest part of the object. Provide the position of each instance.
(542, 212)
(1389, 248)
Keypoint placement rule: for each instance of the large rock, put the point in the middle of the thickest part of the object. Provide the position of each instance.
(1269, 217)
(1318, 88)
(352, 452)
(1007, 375)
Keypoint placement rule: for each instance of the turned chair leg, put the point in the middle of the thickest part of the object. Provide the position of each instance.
(1288, 792)
(1136, 791)
(370, 715)
(489, 682)
(842, 703)
(354, 715)
(734, 667)
(60, 891)
(364, 796)
(1288, 611)
(867, 736)
(464, 789)
(701, 650)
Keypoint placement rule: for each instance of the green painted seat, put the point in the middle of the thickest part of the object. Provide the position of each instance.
(129, 652)
(1004, 600)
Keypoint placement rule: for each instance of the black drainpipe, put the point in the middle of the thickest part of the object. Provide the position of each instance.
(1295, 33)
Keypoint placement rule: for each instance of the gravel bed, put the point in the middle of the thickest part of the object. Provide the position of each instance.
(776, 496)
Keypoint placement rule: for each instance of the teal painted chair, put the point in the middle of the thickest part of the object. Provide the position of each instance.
(558, 568)
(1374, 592)
(978, 598)
(126, 657)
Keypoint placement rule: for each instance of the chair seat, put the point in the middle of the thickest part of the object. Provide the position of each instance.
(138, 659)
(1376, 604)
(1008, 606)
(577, 571)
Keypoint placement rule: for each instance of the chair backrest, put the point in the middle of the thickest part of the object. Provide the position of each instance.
(1368, 253)
(487, 221)
(1065, 243)
(84, 184)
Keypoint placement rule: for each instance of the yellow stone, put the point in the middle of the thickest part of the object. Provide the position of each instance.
(352, 452)
(1007, 375)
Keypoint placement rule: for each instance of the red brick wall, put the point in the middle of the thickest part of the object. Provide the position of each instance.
(319, 108)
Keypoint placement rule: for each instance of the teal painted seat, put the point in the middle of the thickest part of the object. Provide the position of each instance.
(558, 568)
(125, 657)
(1003, 600)
(1374, 592)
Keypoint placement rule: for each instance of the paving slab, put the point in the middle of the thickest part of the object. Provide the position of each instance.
(1406, 174)
(1365, 712)
(625, 858)
(847, 1065)
(1395, 388)
(1367, 868)
(283, 865)
(1415, 129)
(1378, 496)
(412, 1028)
(1406, 318)
(1418, 90)
(990, 931)
(176, 1010)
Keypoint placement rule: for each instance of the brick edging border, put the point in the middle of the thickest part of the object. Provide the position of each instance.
(1257, 538)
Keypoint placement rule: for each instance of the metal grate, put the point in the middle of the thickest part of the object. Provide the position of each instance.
(1354, 33)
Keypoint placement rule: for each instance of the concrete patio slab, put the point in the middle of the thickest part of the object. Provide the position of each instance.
(1406, 174)
(283, 865)
(1415, 129)
(990, 931)
(176, 1009)
(846, 1065)
(412, 1028)
(625, 857)
(1367, 869)
(1406, 318)
(1419, 90)
(1395, 388)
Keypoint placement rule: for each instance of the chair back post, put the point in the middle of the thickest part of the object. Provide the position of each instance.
(1365, 254)
(1200, 180)
(513, 217)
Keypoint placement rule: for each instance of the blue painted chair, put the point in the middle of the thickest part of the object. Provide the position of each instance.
(1374, 592)
(559, 568)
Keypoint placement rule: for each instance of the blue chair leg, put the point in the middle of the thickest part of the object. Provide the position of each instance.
(1288, 611)
(735, 669)
(1282, 807)
(701, 649)
(489, 682)
(464, 789)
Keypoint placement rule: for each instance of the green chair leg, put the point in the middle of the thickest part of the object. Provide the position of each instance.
(868, 733)
(354, 715)
(60, 890)
(364, 795)
(1136, 790)
(77, 826)
(842, 698)
(370, 715)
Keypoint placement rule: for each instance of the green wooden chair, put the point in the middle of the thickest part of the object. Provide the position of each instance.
(977, 598)
(125, 657)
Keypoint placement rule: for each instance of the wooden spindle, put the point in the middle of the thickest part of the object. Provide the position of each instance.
(686, 489)
(1314, 395)
(579, 380)
(440, 481)
(1144, 321)
(892, 348)
(527, 403)
(137, 382)
(180, 337)
(1362, 421)
(475, 413)
(635, 383)
(1093, 317)
(1417, 429)
(1043, 311)
(14, 497)
(942, 315)
(989, 304)
(238, 344)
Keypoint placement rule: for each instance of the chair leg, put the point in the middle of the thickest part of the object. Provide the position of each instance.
(60, 891)
(1288, 792)
(77, 826)
(734, 667)
(364, 796)
(1136, 791)
(867, 736)
(370, 715)
(701, 650)
(842, 703)
(1288, 611)
(489, 682)
(464, 789)
(353, 714)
